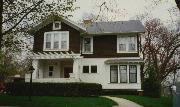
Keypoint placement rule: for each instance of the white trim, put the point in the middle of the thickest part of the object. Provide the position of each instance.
(127, 72)
(54, 28)
(52, 41)
(127, 44)
(54, 55)
(91, 40)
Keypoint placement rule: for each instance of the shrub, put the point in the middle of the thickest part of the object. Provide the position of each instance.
(119, 92)
(151, 88)
(55, 89)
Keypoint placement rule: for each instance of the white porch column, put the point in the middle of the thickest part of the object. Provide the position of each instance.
(35, 64)
(76, 68)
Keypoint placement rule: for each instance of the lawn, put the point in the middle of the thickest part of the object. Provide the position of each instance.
(149, 102)
(50, 101)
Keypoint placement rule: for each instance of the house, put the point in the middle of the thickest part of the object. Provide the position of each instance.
(95, 52)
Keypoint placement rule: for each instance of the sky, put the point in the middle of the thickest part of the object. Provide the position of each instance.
(166, 10)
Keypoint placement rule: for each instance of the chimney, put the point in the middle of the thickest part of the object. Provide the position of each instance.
(88, 21)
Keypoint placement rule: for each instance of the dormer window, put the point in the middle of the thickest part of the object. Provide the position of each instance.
(57, 25)
(56, 41)
(126, 44)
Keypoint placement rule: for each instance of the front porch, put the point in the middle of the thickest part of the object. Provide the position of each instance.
(54, 69)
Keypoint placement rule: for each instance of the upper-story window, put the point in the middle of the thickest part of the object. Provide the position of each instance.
(56, 25)
(56, 41)
(87, 45)
(126, 44)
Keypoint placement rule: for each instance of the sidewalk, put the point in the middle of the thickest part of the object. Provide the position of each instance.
(123, 102)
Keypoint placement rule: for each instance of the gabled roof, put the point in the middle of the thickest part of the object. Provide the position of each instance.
(51, 19)
(131, 26)
(95, 28)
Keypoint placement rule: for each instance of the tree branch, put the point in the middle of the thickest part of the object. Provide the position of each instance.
(9, 30)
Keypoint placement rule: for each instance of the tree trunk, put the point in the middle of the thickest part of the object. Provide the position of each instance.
(1, 19)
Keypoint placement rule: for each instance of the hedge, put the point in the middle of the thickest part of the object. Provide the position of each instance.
(119, 92)
(55, 89)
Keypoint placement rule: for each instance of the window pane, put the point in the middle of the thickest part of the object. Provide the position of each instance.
(64, 41)
(50, 74)
(132, 68)
(48, 41)
(132, 73)
(87, 44)
(85, 69)
(114, 73)
(132, 78)
(51, 68)
(132, 47)
(56, 41)
(123, 73)
(122, 47)
(93, 69)
(57, 25)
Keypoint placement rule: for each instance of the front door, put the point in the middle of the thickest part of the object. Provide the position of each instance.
(67, 70)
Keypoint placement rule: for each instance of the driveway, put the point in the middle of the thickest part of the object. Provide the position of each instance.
(123, 102)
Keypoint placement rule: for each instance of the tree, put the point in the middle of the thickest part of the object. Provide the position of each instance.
(20, 15)
(178, 3)
(160, 49)
(17, 17)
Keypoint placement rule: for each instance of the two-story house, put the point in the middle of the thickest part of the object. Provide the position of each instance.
(95, 52)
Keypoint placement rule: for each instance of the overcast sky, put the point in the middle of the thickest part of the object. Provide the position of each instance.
(166, 10)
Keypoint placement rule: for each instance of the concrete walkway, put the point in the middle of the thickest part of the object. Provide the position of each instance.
(123, 102)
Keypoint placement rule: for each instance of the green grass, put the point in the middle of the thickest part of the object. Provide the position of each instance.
(50, 101)
(149, 102)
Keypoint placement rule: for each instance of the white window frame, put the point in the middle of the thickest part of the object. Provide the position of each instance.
(54, 27)
(127, 72)
(83, 51)
(52, 41)
(89, 69)
(127, 44)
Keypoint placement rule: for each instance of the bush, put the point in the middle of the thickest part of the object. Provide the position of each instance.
(55, 89)
(151, 88)
(119, 92)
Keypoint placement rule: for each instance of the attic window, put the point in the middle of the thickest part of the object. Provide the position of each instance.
(57, 25)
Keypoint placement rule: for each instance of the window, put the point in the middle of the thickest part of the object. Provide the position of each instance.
(123, 73)
(51, 69)
(85, 69)
(93, 69)
(132, 73)
(58, 40)
(88, 45)
(126, 44)
(48, 41)
(114, 74)
(56, 25)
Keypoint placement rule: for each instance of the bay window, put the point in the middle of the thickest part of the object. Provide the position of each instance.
(126, 44)
(126, 72)
(56, 41)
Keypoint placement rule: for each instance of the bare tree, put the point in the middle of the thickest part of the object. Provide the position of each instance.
(20, 15)
(159, 49)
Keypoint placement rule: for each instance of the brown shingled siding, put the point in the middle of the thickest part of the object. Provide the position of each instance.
(74, 38)
(106, 47)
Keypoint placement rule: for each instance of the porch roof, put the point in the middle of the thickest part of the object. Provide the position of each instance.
(124, 61)
(55, 55)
